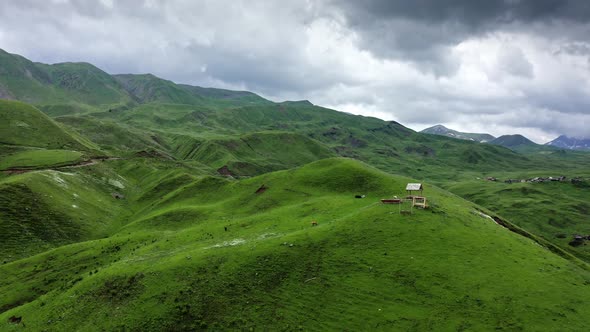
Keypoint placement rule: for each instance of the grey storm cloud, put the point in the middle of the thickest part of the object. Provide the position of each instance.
(471, 13)
(423, 31)
(458, 62)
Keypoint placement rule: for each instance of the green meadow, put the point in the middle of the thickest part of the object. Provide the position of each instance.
(209, 253)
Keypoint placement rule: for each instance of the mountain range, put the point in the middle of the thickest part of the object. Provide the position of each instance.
(510, 141)
(130, 202)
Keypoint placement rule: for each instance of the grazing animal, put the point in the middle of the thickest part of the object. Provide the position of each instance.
(314, 223)
(15, 319)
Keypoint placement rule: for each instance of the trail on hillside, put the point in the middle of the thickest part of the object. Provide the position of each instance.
(83, 163)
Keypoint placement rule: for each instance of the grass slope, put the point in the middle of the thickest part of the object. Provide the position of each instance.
(114, 137)
(21, 79)
(148, 88)
(217, 136)
(364, 267)
(254, 153)
(552, 210)
(521, 144)
(44, 209)
(86, 83)
(449, 162)
(33, 158)
(24, 125)
(387, 145)
(64, 83)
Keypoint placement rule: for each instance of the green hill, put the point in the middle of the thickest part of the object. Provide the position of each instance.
(64, 83)
(22, 79)
(236, 97)
(46, 209)
(205, 135)
(114, 137)
(24, 125)
(85, 83)
(214, 254)
(387, 145)
(149, 88)
(560, 209)
(522, 144)
(253, 153)
(512, 141)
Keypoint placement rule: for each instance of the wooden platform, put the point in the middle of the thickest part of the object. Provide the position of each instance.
(391, 201)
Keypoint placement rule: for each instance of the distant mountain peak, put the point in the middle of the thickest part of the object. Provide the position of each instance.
(298, 102)
(438, 126)
(444, 131)
(570, 143)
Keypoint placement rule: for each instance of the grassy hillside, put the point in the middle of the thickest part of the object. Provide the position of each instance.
(387, 145)
(64, 83)
(254, 153)
(160, 238)
(213, 254)
(114, 137)
(148, 88)
(21, 79)
(35, 158)
(24, 125)
(45, 209)
(521, 144)
(214, 137)
(207, 134)
(553, 210)
(86, 83)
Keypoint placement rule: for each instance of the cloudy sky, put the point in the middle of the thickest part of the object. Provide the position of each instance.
(502, 67)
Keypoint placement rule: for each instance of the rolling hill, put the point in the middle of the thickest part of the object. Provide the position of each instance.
(148, 88)
(30, 139)
(215, 254)
(254, 153)
(208, 121)
(24, 125)
(513, 141)
(59, 84)
(44, 209)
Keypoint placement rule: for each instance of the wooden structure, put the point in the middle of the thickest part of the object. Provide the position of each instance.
(406, 205)
(412, 187)
(419, 201)
(413, 201)
(391, 201)
(403, 210)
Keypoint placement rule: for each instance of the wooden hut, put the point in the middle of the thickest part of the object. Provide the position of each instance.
(414, 187)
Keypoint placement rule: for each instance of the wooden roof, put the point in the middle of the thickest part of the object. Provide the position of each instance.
(414, 186)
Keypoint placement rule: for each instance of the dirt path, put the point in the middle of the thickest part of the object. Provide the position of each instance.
(83, 163)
